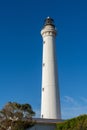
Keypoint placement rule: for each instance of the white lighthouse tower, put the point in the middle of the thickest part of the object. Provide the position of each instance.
(50, 102)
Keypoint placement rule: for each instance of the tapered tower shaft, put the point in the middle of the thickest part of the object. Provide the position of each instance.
(50, 102)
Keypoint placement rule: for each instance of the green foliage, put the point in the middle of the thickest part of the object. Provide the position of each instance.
(15, 116)
(78, 123)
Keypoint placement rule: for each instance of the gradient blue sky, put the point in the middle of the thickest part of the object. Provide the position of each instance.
(21, 52)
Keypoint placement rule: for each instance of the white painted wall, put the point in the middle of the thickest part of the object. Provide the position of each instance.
(50, 102)
(43, 127)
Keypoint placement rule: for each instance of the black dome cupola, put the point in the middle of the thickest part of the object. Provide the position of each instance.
(49, 21)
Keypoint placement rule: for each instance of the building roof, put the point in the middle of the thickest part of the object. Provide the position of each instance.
(47, 121)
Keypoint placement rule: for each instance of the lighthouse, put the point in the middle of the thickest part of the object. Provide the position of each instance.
(50, 97)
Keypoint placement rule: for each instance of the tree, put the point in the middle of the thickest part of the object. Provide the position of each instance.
(15, 116)
(78, 123)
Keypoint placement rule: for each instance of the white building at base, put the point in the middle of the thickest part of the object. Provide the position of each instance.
(45, 124)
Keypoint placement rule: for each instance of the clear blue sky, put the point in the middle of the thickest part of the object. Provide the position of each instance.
(21, 52)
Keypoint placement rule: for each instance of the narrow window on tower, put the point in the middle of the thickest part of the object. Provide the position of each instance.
(43, 64)
(42, 89)
(43, 42)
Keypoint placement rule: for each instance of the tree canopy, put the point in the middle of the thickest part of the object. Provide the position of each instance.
(78, 123)
(15, 116)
